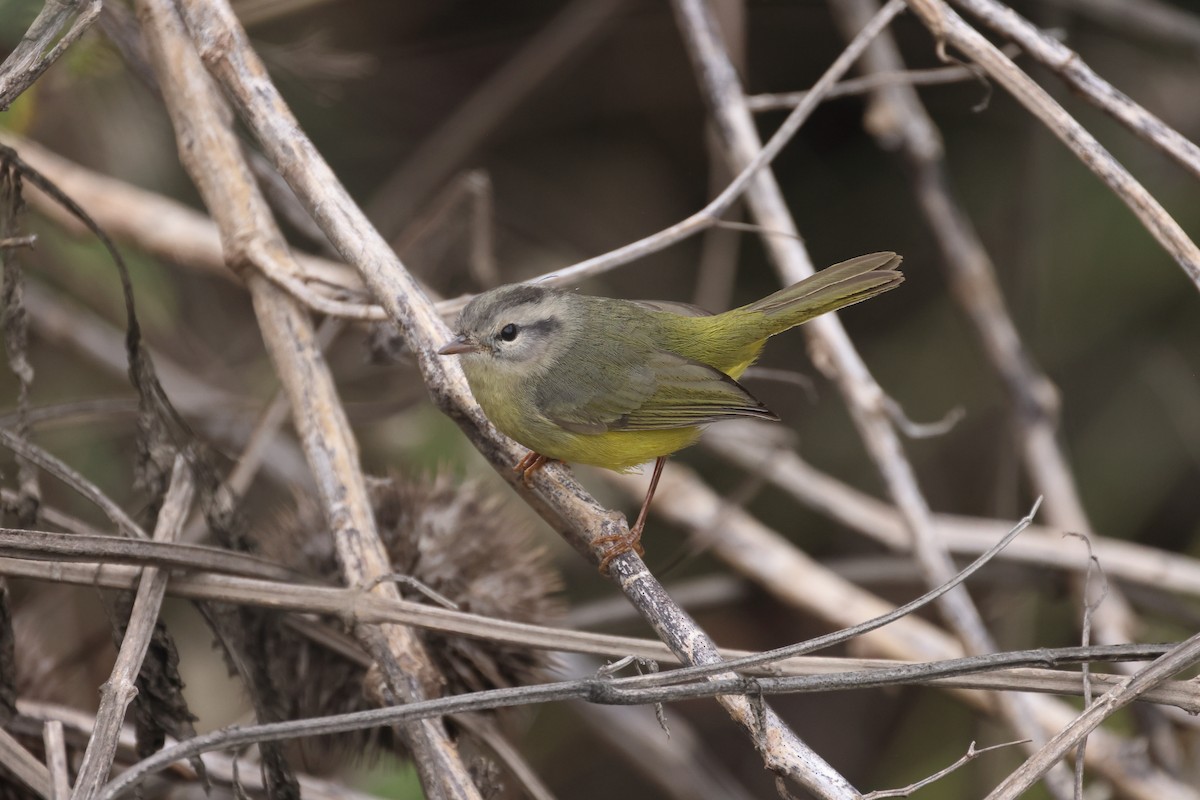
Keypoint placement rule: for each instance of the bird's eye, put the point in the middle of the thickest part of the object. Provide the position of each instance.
(508, 332)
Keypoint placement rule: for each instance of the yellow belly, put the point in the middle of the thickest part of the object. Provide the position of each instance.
(616, 450)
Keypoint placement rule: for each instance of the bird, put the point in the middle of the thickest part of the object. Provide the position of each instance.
(617, 383)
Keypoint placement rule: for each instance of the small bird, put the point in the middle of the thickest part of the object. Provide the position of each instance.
(616, 383)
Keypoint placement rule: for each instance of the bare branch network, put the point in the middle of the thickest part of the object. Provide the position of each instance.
(210, 561)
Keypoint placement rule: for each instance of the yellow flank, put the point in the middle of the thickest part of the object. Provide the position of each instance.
(730, 342)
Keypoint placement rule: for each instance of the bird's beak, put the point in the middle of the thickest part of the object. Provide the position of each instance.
(458, 345)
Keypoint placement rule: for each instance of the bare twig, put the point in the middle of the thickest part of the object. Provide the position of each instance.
(969, 536)
(38, 49)
(218, 768)
(1181, 657)
(571, 511)
(24, 766)
(949, 28)
(905, 791)
(64, 547)
(213, 158)
(935, 76)
(798, 580)
(834, 350)
(749, 170)
(10, 242)
(600, 689)
(75, 480)
(56, 760)
(354, 606)
(170, 230)
(118, 691)
(1067, 64)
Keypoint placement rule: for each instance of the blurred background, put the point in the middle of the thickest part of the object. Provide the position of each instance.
(558, 131)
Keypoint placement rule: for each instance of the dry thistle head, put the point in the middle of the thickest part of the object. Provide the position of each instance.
(452, 538)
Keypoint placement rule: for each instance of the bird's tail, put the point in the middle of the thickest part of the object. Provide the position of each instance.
(830, 289)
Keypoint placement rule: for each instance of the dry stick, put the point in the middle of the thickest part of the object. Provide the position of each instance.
(56, 760)
(863, 395)
(1066, 63)
(682, 766)
(165, 227)
(118, 691)
(1040, 545)
(796, 579)
(1185, 655)
(97, 340)
(23, 765)
(971, 754)
(600, 689)
(34, 54)
(720, 247)
(949, 28)
(212, 156)
(935, 76)
(749, 171)
(554, 495)
(352, 605)
(898, 121)
(65, 547)
(218, 768)
(59, 469)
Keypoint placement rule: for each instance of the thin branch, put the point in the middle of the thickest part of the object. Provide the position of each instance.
(1068, 65)
(1041, 546)
(599, 689)
(65, 547)
(796, 579)
(749, 171)
(118, 691)
(38, 49)
(351, 606)
(218, 769)
(905, 791)
(213, 158)
(24, 766)
(834, 351)
(225, 50)
(1181, 657)
(949, 28)
(75, 480)
(851, 87)
(56, 760)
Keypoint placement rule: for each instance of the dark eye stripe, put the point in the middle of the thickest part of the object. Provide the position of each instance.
(545, 326)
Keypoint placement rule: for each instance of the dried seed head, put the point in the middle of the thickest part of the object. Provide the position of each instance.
(455, 540)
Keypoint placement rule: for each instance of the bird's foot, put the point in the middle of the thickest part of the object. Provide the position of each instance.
(528, 466)
(618, 544)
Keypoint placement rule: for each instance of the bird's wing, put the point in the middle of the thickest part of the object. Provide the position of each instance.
(667, 391)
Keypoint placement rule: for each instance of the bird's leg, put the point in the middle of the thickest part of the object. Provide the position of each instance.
(624, 544)
(528, 466)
